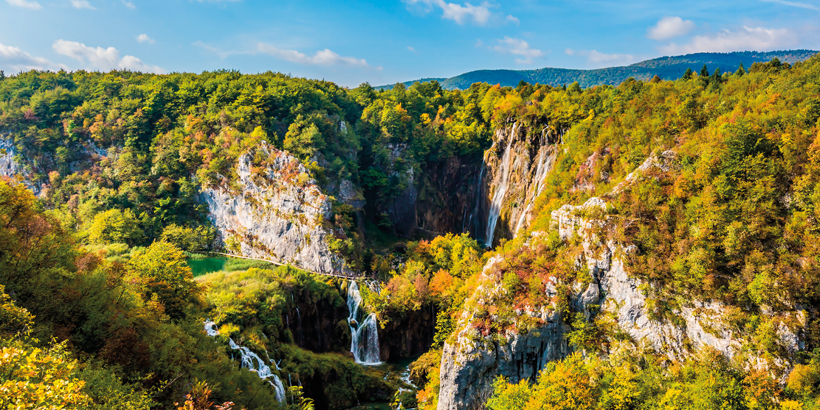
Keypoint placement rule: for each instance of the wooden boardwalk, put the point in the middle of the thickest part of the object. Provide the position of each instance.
(272, 262)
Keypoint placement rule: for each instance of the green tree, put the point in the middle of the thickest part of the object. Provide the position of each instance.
(740, 70)
(304, 140)
(188, 239)
(168, 278)
(116, 226)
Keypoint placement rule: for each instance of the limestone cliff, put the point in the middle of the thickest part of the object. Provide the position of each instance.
(273, 210)
(8, 167)
(473, 360)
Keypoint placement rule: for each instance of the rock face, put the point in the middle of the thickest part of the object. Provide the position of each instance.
(402, 209)
(8, 168)
(409, 336)
(447, 195)
(274, 211)
(470, 365)
(318, 322)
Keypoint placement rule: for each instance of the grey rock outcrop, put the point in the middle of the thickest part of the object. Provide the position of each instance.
(8, 167)
(469, 366)
(402, 208)
(274, 211)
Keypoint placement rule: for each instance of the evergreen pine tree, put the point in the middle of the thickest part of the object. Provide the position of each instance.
(704, 72)
(741, 70)
(688, 74)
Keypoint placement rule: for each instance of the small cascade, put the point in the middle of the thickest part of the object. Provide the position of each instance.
(364, 335)
(253, 362)
(500, 192)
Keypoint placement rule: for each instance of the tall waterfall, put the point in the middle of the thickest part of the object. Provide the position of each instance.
(253, 362)
(500, 192)
(364, 335)
(545, 162)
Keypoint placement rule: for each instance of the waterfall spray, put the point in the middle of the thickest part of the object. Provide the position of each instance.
(364, 335)
(500, 192)
(478, 198)
(253, 362)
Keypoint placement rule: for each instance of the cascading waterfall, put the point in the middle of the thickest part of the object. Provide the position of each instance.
(500, 192)
(364, 335)
(253, 362)
(541, 171)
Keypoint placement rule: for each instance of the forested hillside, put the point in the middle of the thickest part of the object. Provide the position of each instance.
(650, 244)
(667, 68)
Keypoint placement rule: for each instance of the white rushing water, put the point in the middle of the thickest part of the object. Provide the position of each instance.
(545, 162)
(500, 191)
(253, 362)
(364, 335)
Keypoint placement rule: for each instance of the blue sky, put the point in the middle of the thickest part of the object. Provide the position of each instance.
(382, 42)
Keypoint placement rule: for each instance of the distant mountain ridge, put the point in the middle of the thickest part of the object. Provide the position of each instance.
(667, 68)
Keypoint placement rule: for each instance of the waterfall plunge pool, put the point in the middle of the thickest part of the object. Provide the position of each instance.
(396, 373)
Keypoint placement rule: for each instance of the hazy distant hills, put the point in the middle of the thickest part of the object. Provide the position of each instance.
(667, 68)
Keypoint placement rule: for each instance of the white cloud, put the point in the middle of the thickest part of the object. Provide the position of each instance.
(25, 4)
(324, 57)
(599, 58)
(143, 38)
(105, 59)
(221, 53)
(129, 4)
(82, 4)
(14, 59)
(412, 50)
(794, 4)
(461, 14)
(518, 47)
(670, 27)
(748, 38)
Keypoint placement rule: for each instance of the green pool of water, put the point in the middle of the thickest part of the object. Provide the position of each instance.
(204, 266)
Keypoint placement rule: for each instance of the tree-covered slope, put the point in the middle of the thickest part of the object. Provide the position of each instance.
(667, 68)
(698, 197)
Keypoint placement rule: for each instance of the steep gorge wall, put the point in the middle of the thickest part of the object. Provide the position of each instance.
(318, 324)
(408, 336)
(447, 195)
(471, 364)
(490, 197)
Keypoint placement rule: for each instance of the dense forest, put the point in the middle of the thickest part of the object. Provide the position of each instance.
(103, 214)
